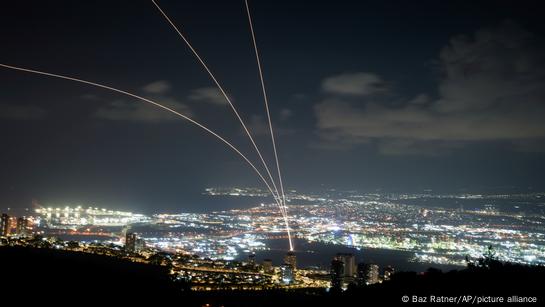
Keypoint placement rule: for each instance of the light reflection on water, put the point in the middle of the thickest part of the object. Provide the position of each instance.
(321, 254)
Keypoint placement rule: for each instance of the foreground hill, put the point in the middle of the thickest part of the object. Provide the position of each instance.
(42, 275)
(69, 278)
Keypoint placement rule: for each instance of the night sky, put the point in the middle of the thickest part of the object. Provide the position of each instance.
(367, 95)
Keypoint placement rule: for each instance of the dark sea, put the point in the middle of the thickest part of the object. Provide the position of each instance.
(209, 203)
(317, 254)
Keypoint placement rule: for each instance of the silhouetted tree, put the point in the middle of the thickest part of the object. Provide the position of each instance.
(489, 259)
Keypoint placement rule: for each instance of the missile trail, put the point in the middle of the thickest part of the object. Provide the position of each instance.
(265, 98)
(276, 197)
(282, 202)
(212, 76)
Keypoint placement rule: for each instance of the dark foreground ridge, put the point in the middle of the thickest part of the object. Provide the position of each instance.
(38, 275)
(69, 278)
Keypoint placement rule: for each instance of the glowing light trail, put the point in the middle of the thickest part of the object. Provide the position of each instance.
(265, 98)
(201, 61)
(216, 82)
(276, 197)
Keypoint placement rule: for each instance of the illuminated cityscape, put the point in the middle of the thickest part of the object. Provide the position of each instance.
(217, 250)
(248, 153)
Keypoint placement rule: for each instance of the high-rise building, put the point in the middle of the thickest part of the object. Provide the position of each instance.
(337, 274)
(133, 243)
(368, 274)
(268, 266)
(130, 242)
(22, 226)
(287, 274)
(349, 261)
(361, 274)
(4, 225)
(343, 270)
(140, 245)
(291, 260)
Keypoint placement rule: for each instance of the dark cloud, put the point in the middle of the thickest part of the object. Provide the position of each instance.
(209, 95)
(286, 114)
(492, 88)
(259, 126)
(21, 112)
(157, 87)
(359, 84)
(142, 112)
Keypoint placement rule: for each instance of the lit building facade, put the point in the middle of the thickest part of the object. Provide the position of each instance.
(268, 266)
(4, 225)
(368, 273)
(291, 260)
(133, 244)
(287, 274)
(349, 261)
(23, 226)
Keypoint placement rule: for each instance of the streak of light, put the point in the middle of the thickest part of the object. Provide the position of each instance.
(212, 76)
(276, 197)
(265, 98)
